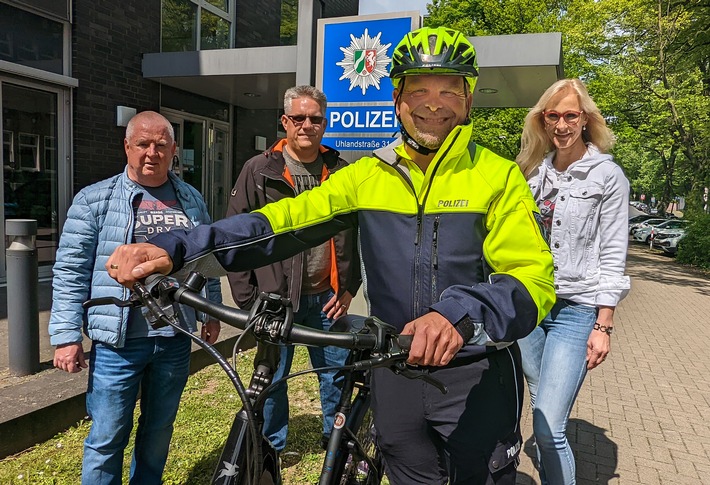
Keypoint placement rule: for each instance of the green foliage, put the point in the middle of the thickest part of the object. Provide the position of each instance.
(646, 64)
(499, 130)
(694, 248)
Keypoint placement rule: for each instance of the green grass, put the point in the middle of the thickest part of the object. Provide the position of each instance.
(206, 412)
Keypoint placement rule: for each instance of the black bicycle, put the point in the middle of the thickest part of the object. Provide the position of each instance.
(248, 458)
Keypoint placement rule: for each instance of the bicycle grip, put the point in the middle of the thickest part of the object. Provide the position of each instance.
(405, 341)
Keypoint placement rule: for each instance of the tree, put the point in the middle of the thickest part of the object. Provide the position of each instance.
(646, 64)
(638, 65)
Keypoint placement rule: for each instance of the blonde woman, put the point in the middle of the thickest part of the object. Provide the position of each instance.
(583, 198)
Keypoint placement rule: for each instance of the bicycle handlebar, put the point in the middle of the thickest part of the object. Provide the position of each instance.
(271, 319)
(159, 292)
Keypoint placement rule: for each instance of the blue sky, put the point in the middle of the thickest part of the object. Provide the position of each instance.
(384, 6)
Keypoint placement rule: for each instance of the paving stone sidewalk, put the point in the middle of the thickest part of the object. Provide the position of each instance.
(643, 417)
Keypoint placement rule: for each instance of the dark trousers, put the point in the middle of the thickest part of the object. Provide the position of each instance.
(471, 435)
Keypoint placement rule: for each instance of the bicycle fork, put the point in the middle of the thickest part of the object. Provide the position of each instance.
(346, 422)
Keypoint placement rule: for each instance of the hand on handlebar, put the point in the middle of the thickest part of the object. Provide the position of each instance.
(132, 262)
(436, 341)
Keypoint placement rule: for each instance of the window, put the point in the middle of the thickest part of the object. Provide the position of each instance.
(31, 40)
(190, 25)
(214, 32)
(8, 149)
(29, 152)
(221, 4)
(50, 153)
(289, 22)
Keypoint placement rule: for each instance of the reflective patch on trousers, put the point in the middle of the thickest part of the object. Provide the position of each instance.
(506, 453)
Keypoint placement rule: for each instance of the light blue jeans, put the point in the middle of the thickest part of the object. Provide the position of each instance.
(159, 366)
(555, 364)
(310, 313)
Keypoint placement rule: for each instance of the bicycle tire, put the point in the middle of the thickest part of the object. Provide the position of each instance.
(267, 479)
(357, 470)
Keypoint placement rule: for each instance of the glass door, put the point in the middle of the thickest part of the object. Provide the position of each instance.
(202, 157)
(193, 154)
(218, 173)
(188, 163)
(33, 143)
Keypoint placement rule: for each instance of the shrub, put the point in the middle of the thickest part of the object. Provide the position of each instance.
(694, 248)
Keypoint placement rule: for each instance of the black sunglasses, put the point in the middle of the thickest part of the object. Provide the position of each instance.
(300, 119)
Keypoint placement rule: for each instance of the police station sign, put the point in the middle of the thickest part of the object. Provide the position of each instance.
(354, 54)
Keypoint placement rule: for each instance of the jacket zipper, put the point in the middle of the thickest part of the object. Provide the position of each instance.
(435, 258)
(129, 228)
(420, 217)
(297, 259)
(435, 243)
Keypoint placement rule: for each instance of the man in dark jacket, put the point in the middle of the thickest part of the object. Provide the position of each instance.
(320, 281)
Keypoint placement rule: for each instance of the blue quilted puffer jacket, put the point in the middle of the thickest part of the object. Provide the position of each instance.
(99, 220)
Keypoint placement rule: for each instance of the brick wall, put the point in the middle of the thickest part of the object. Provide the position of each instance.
(251, 123)
(108, 40)
(340, 8)
(258, 23)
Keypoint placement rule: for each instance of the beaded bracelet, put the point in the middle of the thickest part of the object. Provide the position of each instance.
(603, 328)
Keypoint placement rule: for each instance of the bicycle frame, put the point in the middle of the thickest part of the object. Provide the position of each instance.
(232, 466)
(372, 343)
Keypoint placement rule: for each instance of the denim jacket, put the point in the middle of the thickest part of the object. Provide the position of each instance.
(589, 236)
(99, 220)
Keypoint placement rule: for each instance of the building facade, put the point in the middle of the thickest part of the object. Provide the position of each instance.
(72, 72)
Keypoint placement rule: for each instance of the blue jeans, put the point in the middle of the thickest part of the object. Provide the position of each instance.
(310, 314)
(555, 364)
(159, 366)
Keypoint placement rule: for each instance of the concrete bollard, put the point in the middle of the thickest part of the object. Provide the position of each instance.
(22, 302)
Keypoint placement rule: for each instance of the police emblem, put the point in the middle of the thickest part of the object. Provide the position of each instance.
(365, 61)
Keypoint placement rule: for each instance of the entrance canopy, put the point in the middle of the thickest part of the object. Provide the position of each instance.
(514, 71)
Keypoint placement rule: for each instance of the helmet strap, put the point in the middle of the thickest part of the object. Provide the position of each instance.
(412, 142)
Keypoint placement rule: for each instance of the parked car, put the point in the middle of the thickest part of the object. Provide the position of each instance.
(667, 239)
(636, 220)
(644, 234)
(645, 224)
(640, 206)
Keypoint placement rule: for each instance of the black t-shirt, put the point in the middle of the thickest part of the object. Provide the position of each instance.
(155, 212)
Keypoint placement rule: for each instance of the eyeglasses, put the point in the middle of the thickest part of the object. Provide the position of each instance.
(553, 117)
(298, 120)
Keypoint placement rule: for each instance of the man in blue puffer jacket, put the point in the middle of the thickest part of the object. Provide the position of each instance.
(126, 353)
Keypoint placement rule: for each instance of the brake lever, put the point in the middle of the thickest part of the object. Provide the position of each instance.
(156, 315)
(404, 370)
(132, 301)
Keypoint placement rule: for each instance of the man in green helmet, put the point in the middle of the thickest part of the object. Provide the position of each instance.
(451, 251)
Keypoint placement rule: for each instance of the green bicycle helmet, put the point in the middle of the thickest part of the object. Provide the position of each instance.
(434, 51)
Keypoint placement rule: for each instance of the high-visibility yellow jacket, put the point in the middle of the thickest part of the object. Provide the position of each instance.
(462, 239)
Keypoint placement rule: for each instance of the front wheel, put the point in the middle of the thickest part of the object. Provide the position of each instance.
(267, 479)
(364, 466)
